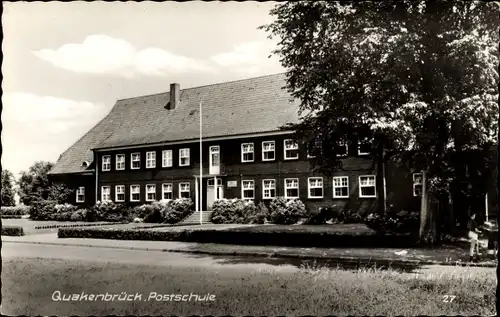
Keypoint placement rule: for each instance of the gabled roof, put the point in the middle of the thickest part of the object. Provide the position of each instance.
(247, 106)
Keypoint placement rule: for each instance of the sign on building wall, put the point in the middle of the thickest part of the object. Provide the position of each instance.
(232, 184)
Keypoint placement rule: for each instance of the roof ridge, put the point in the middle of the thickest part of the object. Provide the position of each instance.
(202, 86)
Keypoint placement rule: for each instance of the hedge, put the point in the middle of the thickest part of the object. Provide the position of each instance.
(14, 211)
(242, 236)
(12, 231)
(11, 216)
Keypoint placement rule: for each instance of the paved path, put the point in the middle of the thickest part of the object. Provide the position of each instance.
(383, 256)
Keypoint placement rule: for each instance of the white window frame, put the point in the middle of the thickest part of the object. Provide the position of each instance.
(346, 146)
(183, 155)
(184, 191)
(109, 193)
(294, 148)
(132, 161)
(106, 162)
(117, 192)
(151, 162)
(148, 192)
(132, 192)
(264, 189)
(286, 188)
(341, 179)
(167, 159)
(309, 187)
(80, 191)
(360, 142)
(243, 189)
(264, 151)
(120, 164)
(243, 152)
(171, 191)
(363, 186)
(415, 184)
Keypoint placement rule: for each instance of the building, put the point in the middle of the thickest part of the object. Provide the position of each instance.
(147, 148)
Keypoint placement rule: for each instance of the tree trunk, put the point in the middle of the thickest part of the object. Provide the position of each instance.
(428, 218)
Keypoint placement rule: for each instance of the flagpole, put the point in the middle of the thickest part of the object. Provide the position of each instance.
(201, 170)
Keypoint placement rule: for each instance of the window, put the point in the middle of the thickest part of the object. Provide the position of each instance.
(247, 189)
(120, 162)
(106, 163)
(135, 162)
(268, 151)
(417, 184)
(247, 152)
(135, 192)
(150, 192)
(268, 189)
(342, 149)
(184, 157)
(291, 188)
(367, 186)
(315, 187)
(341, 187)
(167, 191)
(120, 193)
(364, 146)
(291, 150)
(105, 193)
(167, 160)
(184, 190)
(80, 195)
(314, 145)
(211, 182)
(150, 159)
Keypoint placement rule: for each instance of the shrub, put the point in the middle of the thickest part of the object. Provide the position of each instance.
(153, 213)
(15, 211)
(238, 211)
(284, 211)
(323, 214)
(177, 210)
(79, 215)
(42, 209)
(108, 211)
(401, 222)
(64, 208)
(258, 214)
(12, 231)
(59, 193)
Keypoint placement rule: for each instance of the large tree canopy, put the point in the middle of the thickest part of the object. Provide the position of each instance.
(422, 74)
(34, 184)
(420, 78)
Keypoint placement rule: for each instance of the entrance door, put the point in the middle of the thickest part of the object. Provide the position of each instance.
(211, 192)
(214, 160)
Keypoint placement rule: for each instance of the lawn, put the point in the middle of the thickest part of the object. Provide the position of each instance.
(28, 286)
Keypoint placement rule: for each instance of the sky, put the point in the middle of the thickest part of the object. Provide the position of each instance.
(66, 64)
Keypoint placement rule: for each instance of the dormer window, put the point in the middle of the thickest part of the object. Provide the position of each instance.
(85, 164)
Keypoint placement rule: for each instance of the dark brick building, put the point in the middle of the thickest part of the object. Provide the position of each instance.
(147, 148)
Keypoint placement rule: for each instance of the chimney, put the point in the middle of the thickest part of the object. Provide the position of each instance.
(175, 95)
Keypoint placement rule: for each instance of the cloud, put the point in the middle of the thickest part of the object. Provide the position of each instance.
(42, 127)
(101, 54)
(249, 58)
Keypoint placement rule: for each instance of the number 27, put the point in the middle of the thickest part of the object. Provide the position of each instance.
(448, 298)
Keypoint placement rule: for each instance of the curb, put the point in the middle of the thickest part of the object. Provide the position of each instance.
(277, 255)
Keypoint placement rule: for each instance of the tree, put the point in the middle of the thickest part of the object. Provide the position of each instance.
(34, 184)
(59, 193)
(7, 188)
(419, 78)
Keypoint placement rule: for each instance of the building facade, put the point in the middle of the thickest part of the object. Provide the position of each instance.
(148, 149)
